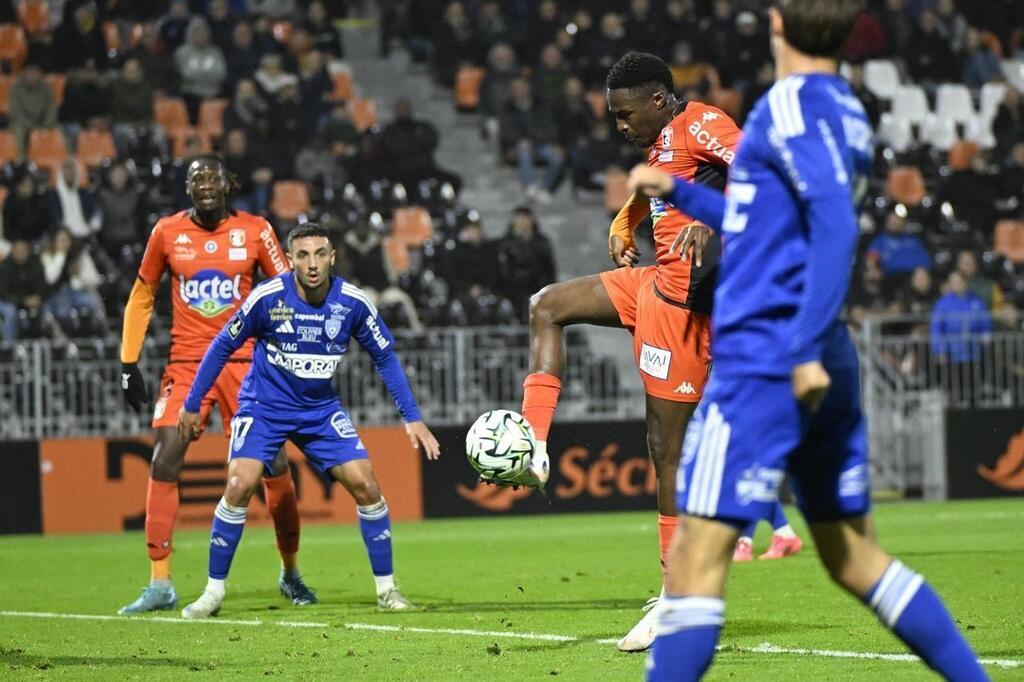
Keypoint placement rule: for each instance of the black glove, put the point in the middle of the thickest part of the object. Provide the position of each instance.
(136, 393)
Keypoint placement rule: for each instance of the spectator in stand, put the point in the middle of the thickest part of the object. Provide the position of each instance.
(221, 22)
(201, 67)
(174, 27)
(1010, 193)
(79, 39)
(867, 40)
(131, 107)
(642, 26)
(471, 272)
(321, 166)
(320, 27)
(22, 286)
(373, 273)
(502, 70)
(687, 73)
(407, 149)
(274, 9)
(249, 111)
(1006, 126)
(986, 290)
(952, 25)
(929, 57)
(749, 52)
(86, 103)
(679, 23)
(592, 155)
(315, 85)
(75, 205)
(971, 191)
(610, 44)
(242, 55)
(120, 207)
(528, 133)
(72, 278)
(526, 263)
(491, 27)
(293, 121)
(255, 178)
(31, 106)
(460, 44)
(157, 61)
(271, 77)
(546, 27)
(898, 30)
(28, 214)
(960, 326)
(716, 33)
(868, 295)
(897, 252)
(919, 295)
(337, 128)
(981, 62)
(549, 77)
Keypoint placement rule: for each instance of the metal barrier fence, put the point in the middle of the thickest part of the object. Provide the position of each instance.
(53, 390)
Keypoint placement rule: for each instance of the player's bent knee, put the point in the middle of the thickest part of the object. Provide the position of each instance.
(365, 491)
(239, 490)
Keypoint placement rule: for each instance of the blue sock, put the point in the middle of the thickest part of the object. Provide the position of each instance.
(228, 524)
(911, 609)
(749, 530)
(779, 517)
(375, 525)
(686, 638)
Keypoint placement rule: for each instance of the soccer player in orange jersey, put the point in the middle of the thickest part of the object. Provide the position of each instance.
(211, 253)
(666, 306)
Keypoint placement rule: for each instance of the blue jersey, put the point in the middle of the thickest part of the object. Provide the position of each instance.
(299, 346)
(789, 226)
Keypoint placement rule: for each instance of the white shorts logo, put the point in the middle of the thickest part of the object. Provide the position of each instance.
(655, 361)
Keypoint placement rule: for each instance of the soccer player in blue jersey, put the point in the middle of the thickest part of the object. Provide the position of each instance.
(784, 396)
(302, 322)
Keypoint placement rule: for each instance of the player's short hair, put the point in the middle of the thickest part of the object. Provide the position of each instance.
(213, 159)
(308, 230)
(638, 70)
(819, 28)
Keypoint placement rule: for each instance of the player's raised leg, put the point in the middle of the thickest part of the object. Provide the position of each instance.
(375, 526)
(225, 534)
(785, 541)
(901, 598)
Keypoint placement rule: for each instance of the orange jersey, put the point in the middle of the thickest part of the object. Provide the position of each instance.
(698, 145)
(211, 274)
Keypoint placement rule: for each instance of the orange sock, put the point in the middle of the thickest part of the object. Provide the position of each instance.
(666, 529)
(540, 397)
(161, 510)
(284, 509)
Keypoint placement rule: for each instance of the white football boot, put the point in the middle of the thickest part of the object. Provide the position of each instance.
(641, 637)
(537, 474)
(207, 605)
(393, 600)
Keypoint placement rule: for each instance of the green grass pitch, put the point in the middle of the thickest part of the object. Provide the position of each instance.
(581, 577)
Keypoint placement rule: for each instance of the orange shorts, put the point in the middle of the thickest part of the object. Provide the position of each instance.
(175, 385)
(671, 344)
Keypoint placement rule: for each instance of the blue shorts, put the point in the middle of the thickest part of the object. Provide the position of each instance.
(327, 436)
(749, 432)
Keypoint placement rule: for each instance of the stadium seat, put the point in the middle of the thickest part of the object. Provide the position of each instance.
(905, 185)
(992, 95)
(1008, 240)
(170, 114)
(953, 102)
(342, 86)
(616, 191)
(910, 104)
(13, 46)
(46, 147)
(34, 16)
(980, 130)
(5, 92)
(211, 116)
(93, 147)
(467, 88)
(290, 199)
(362, 112)
(1013, 69)
(895, 133)
(412, 225)
(8, 148)
(397, 254)
(881, 77)
(939, 132)
(57, 81)
(182, 139)
(962, 155)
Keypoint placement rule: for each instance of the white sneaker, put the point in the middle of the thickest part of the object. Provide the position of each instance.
(536, 476)
(393, 600)
(207, 605)
(641, 637)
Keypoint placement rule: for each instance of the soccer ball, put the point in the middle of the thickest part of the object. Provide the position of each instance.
(500, 445)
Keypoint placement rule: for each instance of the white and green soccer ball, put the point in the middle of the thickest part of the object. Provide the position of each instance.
(500, 446)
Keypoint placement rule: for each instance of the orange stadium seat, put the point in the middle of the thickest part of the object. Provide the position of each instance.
(363, 113)
(397, 254)
(598, 103)
(1008, 239)
(46, 147)
(8, 148)
(57, 81)
(211, 116)
(905, 185)
(467, 88)
(13, 46)
(34, 16)
(342, 86)
(5, 92)
(290, 198)
(183, 137)
(616, 191)
(170, 114)
(412, 225)
(94, 147)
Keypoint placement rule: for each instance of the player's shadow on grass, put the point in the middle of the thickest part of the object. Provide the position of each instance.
(13, 659)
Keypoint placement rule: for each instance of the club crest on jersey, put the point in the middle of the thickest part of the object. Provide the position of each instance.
(280, 312)
(332, 327)
(210, 292)
(236, 237)
(666, 137)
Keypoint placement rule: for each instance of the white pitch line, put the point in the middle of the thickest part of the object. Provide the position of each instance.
(763, 648)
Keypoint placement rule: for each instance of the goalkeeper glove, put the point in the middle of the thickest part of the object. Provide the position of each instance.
(136, 393)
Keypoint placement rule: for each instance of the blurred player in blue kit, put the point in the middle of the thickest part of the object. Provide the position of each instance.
(784, 394)
(302, 322)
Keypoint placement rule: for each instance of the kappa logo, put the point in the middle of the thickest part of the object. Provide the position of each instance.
(709, 116)
(685, 388)
(182, 239)
(285, 328)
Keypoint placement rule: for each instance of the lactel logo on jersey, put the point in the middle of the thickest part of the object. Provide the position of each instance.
(210, 292)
